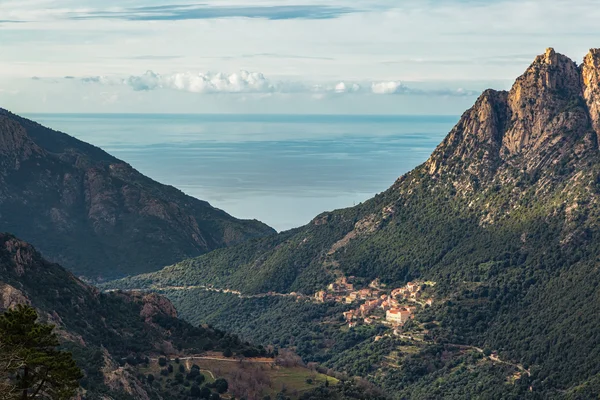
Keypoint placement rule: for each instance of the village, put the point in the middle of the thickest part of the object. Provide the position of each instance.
(379, 304)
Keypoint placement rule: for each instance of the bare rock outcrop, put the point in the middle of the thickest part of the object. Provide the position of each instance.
(590, 70)
(155, 304)
(11, 297)
(15, 145)
(550, 116)
(119, 379)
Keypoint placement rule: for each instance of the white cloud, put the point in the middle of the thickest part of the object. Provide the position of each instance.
(343, 87)
(397, 87)
(391, 87)
(245, 82)
(239, 82)
(97, 79)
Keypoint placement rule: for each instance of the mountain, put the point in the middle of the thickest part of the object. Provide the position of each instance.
(503, 217)
(95, 214)
(110, 334)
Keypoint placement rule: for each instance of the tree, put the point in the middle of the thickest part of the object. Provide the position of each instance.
(9, 361)
(162, 361)
(205, 393)
(31, 366)
(195, 391)
(192, 374)
(228, 353)
(221, 385)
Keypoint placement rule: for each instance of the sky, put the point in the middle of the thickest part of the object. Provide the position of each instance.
(276, 56)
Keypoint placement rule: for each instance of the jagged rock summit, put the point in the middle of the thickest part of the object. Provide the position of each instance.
(551, 114)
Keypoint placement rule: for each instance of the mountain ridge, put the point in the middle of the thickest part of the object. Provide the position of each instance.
(96, 214)
(471, 156)
(502, 123)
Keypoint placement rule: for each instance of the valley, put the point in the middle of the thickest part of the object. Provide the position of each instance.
(473, 276)
(503, 217)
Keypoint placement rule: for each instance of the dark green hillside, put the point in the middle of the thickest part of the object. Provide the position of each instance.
(504, 216)
(95, 214)
(105, 331)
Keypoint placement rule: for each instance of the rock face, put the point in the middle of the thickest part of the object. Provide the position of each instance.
(11, 297)
(96, 214)
(590, 71)
(551, 112)
(152, 304)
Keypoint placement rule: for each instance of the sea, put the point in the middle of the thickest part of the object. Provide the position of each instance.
(280, 169)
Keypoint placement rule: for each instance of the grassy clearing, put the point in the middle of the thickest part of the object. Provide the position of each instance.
(247, 378)
(256, 380)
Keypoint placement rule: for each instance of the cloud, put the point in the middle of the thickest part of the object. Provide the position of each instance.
(397, 87)
(202, 11)
(391, 87)
(242, 82)
(98, 79)
(258, 83)
(343, 87)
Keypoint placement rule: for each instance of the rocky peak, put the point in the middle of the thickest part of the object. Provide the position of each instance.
(152, 304)
(548, 115)
(538, 101)
(477, 135)
(155, 304)
(15, 145)
(22, 255)
(590, 71)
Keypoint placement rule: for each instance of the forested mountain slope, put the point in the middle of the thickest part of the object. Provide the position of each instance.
(105, 330)
(515, 161)
(504, 216)
(97, 215)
